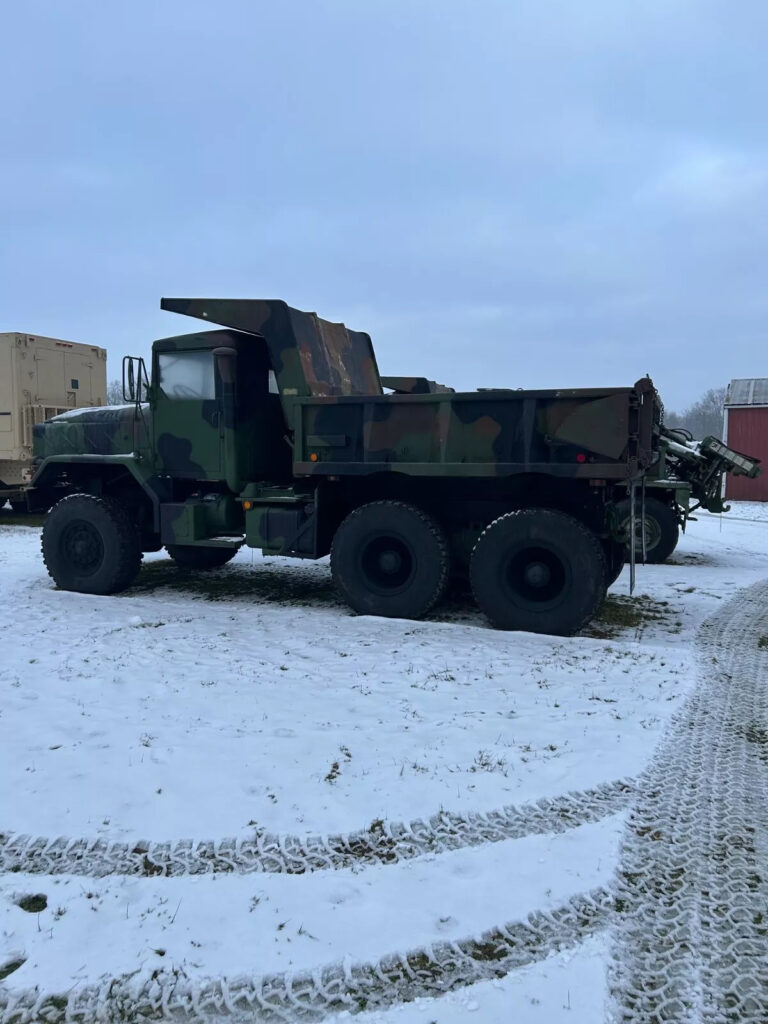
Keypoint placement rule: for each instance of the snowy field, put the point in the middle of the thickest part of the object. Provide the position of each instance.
(218, 786)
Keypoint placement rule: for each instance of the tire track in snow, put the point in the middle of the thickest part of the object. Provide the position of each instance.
(691, 938)
(380, 843)
(312, 995)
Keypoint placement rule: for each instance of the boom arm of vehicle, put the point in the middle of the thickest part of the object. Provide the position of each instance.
(703, 464)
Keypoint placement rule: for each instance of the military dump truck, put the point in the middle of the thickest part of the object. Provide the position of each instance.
(40, 377)
(275, 431)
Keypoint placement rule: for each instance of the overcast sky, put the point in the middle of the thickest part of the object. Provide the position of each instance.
(514, 192)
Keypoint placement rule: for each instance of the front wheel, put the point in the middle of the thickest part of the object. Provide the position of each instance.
(538, 570)
(91, 545)
(389, 558)
(190, 556)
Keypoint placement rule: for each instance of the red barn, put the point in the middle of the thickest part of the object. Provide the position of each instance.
(746, 430)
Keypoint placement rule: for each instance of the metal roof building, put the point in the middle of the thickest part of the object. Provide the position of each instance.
(746, 430)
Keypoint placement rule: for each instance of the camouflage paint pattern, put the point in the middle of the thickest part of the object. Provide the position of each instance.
(245, 444)
(310, 356)
(415, 386)
(199, 521)
(342, 423)
(607, 433)
(106, 430)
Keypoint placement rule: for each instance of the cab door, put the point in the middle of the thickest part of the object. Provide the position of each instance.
(187, 414)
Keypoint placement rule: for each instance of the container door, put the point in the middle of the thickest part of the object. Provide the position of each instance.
(50, 370)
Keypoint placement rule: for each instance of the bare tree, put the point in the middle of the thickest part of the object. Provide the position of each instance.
(703, 417)
(115, 393)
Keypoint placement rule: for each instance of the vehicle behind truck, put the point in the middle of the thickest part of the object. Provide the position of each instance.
(40, 378)
(687, 476)
(275, 432)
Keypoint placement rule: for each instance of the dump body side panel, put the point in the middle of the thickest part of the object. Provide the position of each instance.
(604, 433)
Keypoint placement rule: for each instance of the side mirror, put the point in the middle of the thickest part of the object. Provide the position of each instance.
(135, 381)
(129, 380)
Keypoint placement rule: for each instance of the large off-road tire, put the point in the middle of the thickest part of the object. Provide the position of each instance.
(189, 556)
(91, 545)
(389, 558)
(662, 530)
(538, 570)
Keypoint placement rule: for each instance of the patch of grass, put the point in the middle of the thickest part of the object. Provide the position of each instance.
(484, 762)
(444, 675)
(33, 904)
(10, 518)
(10, 967)
(690, 560)
(762, 643)
(620, 614)
(265, 582)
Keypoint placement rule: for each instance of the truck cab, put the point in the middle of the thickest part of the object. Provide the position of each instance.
(214, 416)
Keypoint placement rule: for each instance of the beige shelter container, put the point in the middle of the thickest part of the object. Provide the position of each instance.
(40, 378)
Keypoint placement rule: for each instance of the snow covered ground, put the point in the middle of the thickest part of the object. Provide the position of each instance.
(218, 779)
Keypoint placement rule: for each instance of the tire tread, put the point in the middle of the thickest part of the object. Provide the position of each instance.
(495, 615)
(128, 552)
(427, 520)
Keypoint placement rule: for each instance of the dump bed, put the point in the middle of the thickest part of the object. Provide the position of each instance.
(606, 433)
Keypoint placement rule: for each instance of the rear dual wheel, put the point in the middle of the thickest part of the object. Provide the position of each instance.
(390, 558)
(538, 570)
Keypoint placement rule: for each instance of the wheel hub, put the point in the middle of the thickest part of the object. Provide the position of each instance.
(82, 546)
(537, 574)
(387, 563)
(534, 575)
(390, 562)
